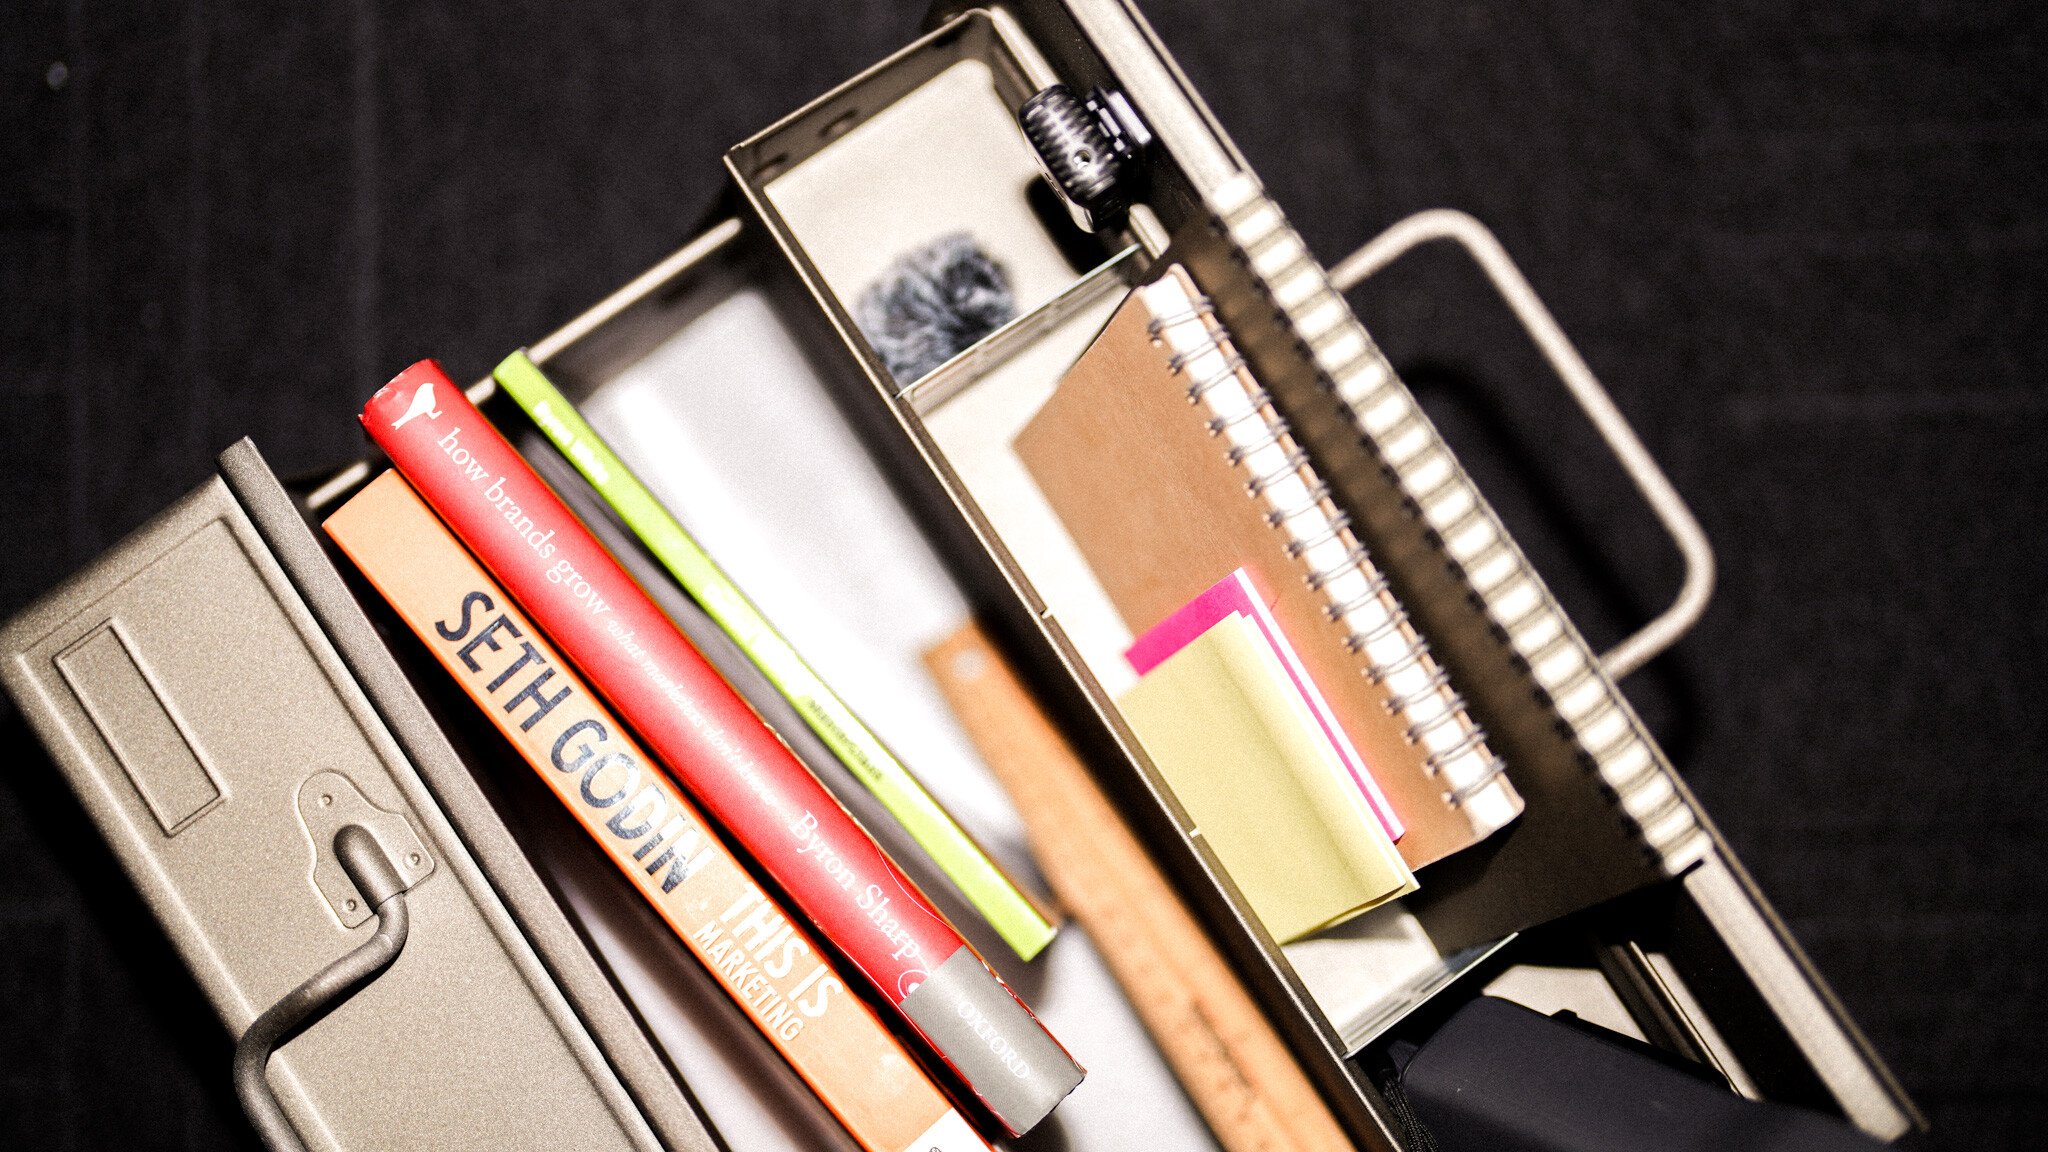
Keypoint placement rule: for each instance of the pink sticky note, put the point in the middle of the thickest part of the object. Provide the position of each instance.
(1235, 595)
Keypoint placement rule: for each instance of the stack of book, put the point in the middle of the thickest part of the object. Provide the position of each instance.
(850, 971)
(683, 784)
(834, 954)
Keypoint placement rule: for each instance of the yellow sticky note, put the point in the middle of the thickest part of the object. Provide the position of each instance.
(1245, 757)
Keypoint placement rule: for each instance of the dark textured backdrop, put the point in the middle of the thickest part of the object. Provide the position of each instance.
(1805, 250)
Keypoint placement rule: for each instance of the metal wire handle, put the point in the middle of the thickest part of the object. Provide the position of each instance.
(378, 881)
(1485, 249)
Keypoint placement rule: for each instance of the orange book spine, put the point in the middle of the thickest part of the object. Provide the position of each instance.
(763, 959)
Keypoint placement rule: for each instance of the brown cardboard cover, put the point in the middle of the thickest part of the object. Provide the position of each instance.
(1161, 513)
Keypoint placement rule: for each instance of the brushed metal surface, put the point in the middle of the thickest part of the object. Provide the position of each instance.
(459, 1044)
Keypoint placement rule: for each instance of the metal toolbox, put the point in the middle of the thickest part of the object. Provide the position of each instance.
(1653, 905)
(230, 720)
(735, 371)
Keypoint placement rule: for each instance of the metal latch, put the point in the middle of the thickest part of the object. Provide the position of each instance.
(1089, 147)
(329, 802)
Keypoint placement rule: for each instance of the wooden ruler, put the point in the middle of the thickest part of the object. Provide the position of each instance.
(1253, 1095)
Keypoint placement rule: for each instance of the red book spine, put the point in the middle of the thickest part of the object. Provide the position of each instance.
(715, 745)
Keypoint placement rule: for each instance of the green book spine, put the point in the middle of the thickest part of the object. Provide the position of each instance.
(1009, 911)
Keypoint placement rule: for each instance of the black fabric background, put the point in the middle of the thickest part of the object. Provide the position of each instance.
(1804, 248)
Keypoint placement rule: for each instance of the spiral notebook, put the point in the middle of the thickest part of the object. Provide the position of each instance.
(1166, 463)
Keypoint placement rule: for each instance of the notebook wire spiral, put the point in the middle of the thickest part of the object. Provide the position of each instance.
(1390, 426)
(1335, 565)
